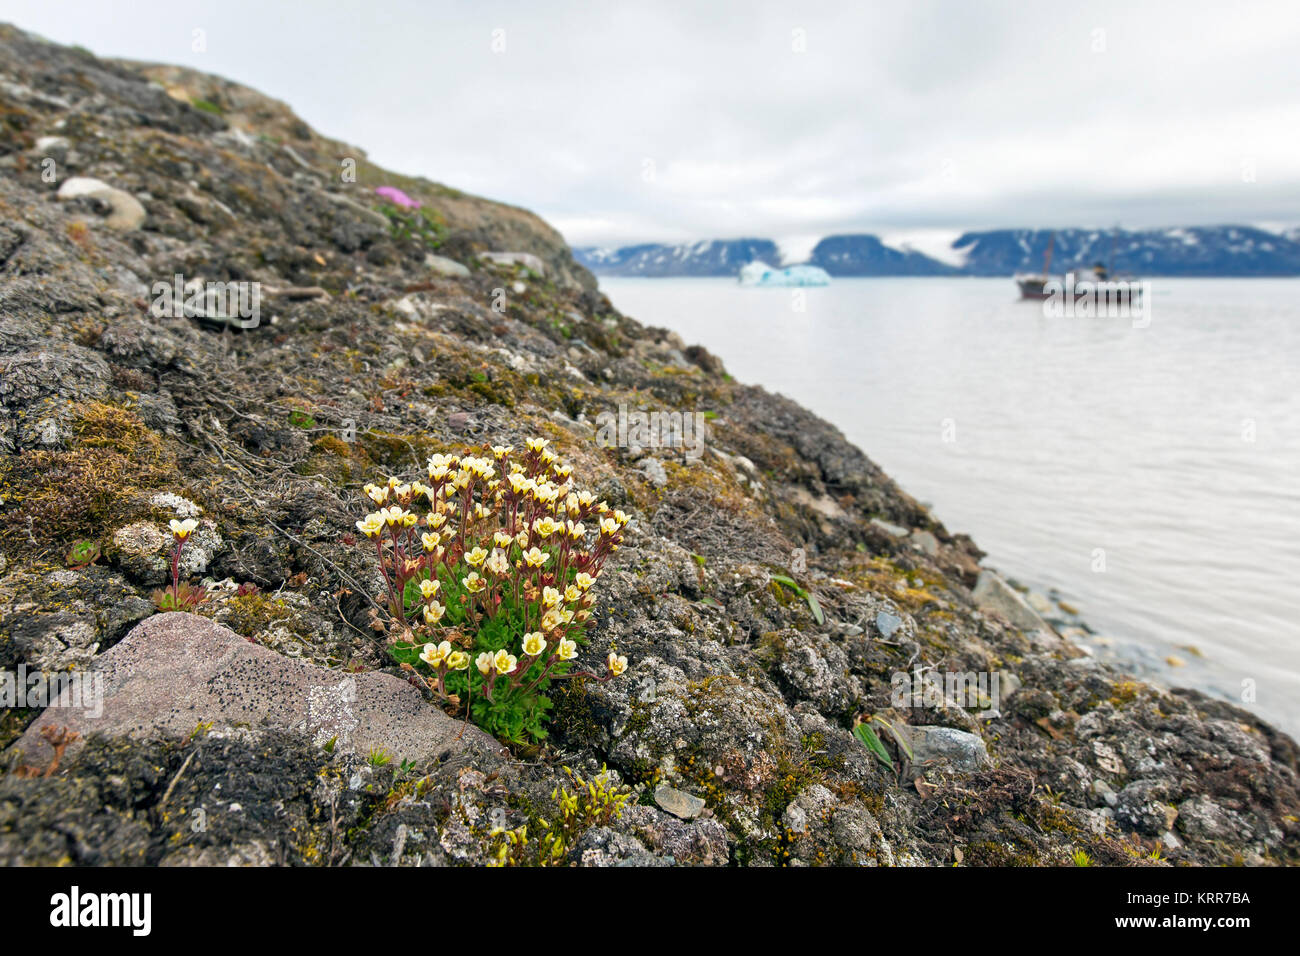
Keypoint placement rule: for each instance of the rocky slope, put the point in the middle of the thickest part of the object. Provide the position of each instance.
(730, 735)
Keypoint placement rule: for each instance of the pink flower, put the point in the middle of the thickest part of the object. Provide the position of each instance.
(397, 197)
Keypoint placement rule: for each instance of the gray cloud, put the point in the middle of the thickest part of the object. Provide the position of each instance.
(628, 122)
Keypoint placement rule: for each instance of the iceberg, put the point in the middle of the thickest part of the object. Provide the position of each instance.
(759, 273)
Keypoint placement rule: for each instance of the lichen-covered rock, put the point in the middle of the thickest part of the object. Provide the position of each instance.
(61, 619)
(178, 671)
(1143, 807)
(963, 750)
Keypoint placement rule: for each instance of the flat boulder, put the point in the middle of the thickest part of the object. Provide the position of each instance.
(525, 259)
(991, 593)
(446, 267)
(176, 671)
(125, 212)
(963, 751)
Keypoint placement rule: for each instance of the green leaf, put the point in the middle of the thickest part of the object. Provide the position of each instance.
(405, 653)
(816, 608)
(790, 583)
(897, 734)
(869, 739)
(813, 604)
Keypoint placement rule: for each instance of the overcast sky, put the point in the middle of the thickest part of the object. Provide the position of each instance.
(623, 122)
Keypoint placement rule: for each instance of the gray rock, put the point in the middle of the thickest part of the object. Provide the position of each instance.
(525, 259)
(142, 549)
(59, 620)
(446, 267)
(678, 802)
(1103, 792)
(1008, 684)
(889, 528)
(602, 846)
(56, 146)
(68, 374)
(1142, 807)
(1202, 819)
(701, 842)
(124, 211)
(887, 623)
(244, 854)
(654, 471)
(373, 217)
(991, 593)
(821, 828)
(176, 671)
(1041, 604)
(959, 749)
(817, 667)
(926, 542)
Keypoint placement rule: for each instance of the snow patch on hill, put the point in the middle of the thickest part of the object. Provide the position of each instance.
(935, 243)
(796, 249)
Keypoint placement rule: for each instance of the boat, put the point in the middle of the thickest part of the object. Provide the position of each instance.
(1096, 281)
(1034, 286)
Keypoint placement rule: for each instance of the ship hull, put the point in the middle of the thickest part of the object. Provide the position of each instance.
(1035, 289)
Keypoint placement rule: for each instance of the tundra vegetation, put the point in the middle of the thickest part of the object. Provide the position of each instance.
(497, 573)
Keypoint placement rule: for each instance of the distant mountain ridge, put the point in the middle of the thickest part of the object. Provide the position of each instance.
(714, 257)
(1191, 251)
(866, 255)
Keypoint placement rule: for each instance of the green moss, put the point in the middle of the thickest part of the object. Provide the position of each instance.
(54, 498)
(207, 106)
(250, 614)
(395, 451)
(13, 722)
(335, 459)
(1125, 693)
(573, 713)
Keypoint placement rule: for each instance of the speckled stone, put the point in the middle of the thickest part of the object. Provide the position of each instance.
(678, 803)
(175, 671)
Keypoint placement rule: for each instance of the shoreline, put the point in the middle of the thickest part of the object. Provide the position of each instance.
(1143, 606)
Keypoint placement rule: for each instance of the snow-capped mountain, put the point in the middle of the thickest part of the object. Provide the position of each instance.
(1191, 251)
(714, 257)
(866, 255)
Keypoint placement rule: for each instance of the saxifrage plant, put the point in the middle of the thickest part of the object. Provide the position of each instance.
(488, 571)
(180, 595)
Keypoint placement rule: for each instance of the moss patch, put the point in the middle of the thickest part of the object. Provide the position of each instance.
(55, 498)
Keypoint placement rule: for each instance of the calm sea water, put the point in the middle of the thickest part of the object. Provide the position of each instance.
(1169, 453)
